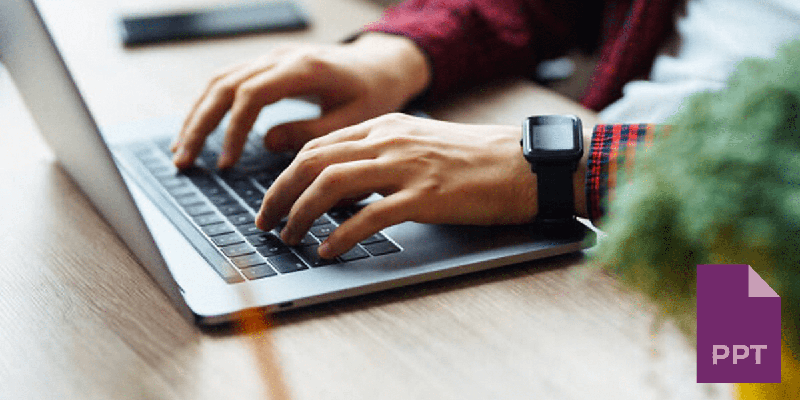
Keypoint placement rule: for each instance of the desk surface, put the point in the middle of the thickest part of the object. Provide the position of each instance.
(80, 319)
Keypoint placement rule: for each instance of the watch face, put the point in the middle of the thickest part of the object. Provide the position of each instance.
(552, 137)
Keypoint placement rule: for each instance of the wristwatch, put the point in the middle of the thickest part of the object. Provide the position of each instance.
(553, 145)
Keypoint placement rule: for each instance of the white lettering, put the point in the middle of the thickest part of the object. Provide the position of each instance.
(740, 356)
(716, 356)
(758, 348)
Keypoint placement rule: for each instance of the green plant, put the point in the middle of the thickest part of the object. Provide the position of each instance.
(722, 186)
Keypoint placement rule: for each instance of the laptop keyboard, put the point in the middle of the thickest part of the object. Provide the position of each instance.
(222, 204)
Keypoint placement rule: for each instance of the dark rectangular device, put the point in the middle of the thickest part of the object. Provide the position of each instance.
(227, 21)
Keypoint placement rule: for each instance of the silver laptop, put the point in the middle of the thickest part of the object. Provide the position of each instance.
(193, 230)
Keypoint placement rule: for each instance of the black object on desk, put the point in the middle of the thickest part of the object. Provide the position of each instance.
(261, 17)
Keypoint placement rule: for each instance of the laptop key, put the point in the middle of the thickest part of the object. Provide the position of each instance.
(232, 177)
(208, 219)
(309, 253)
(172, 182)
(285, 263)
(238, 249)
(247, 190)
(321, 221)
(211, 190)
(268, 251)
(265, 180)
(199, 209)
(322, 231)
(218, 229)
(221, 199)
(200, 177)
(209, 157)
(163, 144)
(181, 191)
(241, 219)
(356, 253)
(258, 272)
(249, 230)
(339, 215)
(268, 244)
(308, 240)
(254, 203)
(378, 237)
(231, 209)
(190, 200)
(247, 260)
(227, 239)
(381, 248)
(162, 171)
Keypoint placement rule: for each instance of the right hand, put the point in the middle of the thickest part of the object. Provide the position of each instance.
(376, 74)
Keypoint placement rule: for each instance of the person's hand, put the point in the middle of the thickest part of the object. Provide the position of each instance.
(374, 75)
(429, 172)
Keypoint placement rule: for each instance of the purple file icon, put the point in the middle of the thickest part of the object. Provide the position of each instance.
(738, 326)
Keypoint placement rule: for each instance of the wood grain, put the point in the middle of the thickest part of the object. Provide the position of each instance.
(80, 319)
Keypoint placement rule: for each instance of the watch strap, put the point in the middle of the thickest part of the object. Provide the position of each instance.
(555, 192)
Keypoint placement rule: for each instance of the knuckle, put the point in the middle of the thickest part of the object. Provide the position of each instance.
(395, 118)
(247, 91)
(309, 162)
(218, 76)
(223, 86)
(394, 139)
(331, 178)
(309, 61)
(313, 144)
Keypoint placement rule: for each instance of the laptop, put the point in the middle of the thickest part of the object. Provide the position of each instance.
(193, 230)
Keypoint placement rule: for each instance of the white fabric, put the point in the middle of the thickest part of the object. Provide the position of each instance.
(713, 37)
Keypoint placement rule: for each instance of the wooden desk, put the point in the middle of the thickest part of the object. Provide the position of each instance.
(79, 319)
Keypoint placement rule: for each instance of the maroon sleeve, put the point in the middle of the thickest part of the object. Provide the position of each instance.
(471, 41)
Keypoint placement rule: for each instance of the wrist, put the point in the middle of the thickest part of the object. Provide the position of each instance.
(397, 64)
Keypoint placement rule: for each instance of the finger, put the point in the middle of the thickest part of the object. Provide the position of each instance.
(373, 218)
(192, 112)
(334, 183)
(294, 135)
(251, 96)
(294, 180)
(210, 110)
(191, 115)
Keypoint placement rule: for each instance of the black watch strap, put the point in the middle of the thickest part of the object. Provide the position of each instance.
(556, 195)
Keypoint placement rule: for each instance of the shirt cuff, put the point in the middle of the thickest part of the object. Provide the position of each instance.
(612, 156)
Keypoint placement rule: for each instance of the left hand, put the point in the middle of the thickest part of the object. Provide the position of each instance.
(428, 171)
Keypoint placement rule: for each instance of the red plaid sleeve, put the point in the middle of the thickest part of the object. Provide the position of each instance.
(612, 154)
